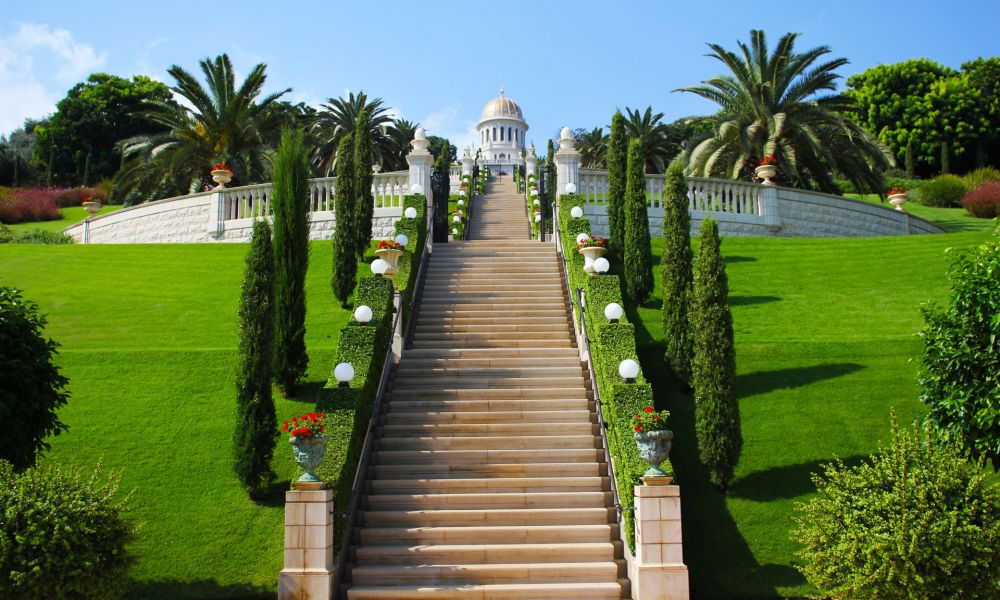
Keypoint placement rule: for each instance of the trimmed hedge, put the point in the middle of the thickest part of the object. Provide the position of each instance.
(610, 343)
(347, 413)
(415, 231)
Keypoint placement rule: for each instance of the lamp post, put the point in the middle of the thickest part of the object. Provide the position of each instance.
(629, 370)
(343, 373)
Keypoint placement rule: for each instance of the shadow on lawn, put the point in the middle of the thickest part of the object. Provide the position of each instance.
(738, 259)
(748, 300)
(787, 481)
(199, 589)
(762, 382)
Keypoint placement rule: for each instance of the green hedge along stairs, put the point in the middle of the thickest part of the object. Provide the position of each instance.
(488, 478)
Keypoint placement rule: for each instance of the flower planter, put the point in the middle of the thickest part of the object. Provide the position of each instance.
(92, 208)
(766, 172)
(391, 257)
(590, 254)
(222, 177)
(654, 448)
(309, 452)
(897, 200)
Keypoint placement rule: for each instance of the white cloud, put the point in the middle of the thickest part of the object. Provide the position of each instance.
(446, 123)
(37, 63)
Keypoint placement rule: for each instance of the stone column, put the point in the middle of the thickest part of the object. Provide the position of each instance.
(567, 164)
(397, 332)
(530, 162)
(421, 163)
(770, 208)
(658, 572)
(467, 162)
(216, 213)
(308, 572)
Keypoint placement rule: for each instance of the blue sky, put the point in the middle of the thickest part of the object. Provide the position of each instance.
(438, 62)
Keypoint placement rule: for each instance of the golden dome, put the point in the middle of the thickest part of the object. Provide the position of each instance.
(501, 106)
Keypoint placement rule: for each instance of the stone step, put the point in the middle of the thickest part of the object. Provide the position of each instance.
(499, 393)
(490, 442)
(507, 311)
(483, 517)
(497, 534)
(459, 336)
(470, 294)
(554, 321)
(513, 553)
(364, 574)
(488, 429)
(397, 417)
(466, 456)
(567, 383)
(490, 353)
(476, 403)
(512, 591)
(487, 343)
(490, 471)
(438, 372)
(460, 285)
(432, 327)
(489, 500)
(485, 485)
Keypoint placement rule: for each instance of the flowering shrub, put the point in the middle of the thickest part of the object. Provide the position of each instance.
(389, 245)
(221, 167)
(68, 197)
(649, 420)
(768, 160)
(592, 242)
(307, 425)
(984, 201)
(896, 190)
(30, 205)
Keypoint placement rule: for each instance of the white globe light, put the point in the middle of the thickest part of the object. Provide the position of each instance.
(454, 231)
(613, 311)
(416, 188)
(534, 191)
(410, 213)
(363, 314)
(379, 266)
(581, 238)
(538, 218)
(628, 369)
(402, 240)
(461, 202)
(343, 372)
(570, 188)
(576, 212)
(461, 193)
(456, 219)
(601, 265)
(537, 202)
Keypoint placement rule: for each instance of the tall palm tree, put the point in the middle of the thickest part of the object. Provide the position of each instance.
(593, 146)
(337, 118)
(784, 105)
(221, 123)
(400, 134)
(659, 142)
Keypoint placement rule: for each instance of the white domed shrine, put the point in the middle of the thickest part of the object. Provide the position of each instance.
(501, 131)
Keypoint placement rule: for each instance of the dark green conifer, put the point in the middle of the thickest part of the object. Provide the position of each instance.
(345, 263)
(638, 254)
(616, 163)
(364, 203)
(676, 271)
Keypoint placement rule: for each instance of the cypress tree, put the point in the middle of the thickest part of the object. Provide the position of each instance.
(550, 181)
(364, 203)
(675, 268)
(255, 436)
(638, 254)
(945, 158)
(615, 158)
(908, 160)
(87, 170)
(713, 370)
(345, 263)
(290, 202)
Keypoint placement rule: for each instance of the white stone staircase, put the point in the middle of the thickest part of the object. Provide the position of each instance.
(488, 480)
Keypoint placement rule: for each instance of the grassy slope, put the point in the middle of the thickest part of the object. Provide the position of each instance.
(70, 216)
(148, 338)
(951, 219)
(825, 342)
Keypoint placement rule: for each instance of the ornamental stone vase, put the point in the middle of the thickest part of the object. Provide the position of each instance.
(309, 452)
(898, 200)
(654, 448)
(91, 207)
(766, 172)
(590, 254)
(391, 257)
(222, 177)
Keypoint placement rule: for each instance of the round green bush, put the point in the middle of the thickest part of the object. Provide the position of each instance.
(944, 191)
(974, 179)
(62, 535)
(917, 520)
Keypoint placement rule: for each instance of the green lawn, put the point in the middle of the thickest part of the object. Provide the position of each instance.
(70, 216)
(951, 219)
(825, 350)
(148, 336)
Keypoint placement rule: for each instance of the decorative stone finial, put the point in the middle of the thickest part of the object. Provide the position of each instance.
(419, 134)
(565, 134)
(420, 142)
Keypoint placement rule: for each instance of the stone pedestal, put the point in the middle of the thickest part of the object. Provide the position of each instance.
(567, 164)
(658, 571)
(421, 163)
(467, 162)
(530, 162)
(216, 213)
(308, 572)
(770, 208)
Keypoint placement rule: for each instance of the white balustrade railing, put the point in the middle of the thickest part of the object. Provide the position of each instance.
(251, 201)
(593, 186)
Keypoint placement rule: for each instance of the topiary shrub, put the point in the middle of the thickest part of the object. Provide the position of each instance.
(944, 191)
(31, 386)
(915, 521)
(974, 179)
(63, 535)
(984, 201)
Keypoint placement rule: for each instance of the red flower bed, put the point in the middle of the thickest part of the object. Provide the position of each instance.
(30, 205)
(984, 201)
(768, 160)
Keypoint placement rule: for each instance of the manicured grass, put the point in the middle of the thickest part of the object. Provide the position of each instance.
(950, 219)
(825, 351)
(148, 336)
(70, 216)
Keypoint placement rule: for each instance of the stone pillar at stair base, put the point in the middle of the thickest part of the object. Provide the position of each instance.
(567, 164)
(308, 572)
(421, 163)
(658, 571)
